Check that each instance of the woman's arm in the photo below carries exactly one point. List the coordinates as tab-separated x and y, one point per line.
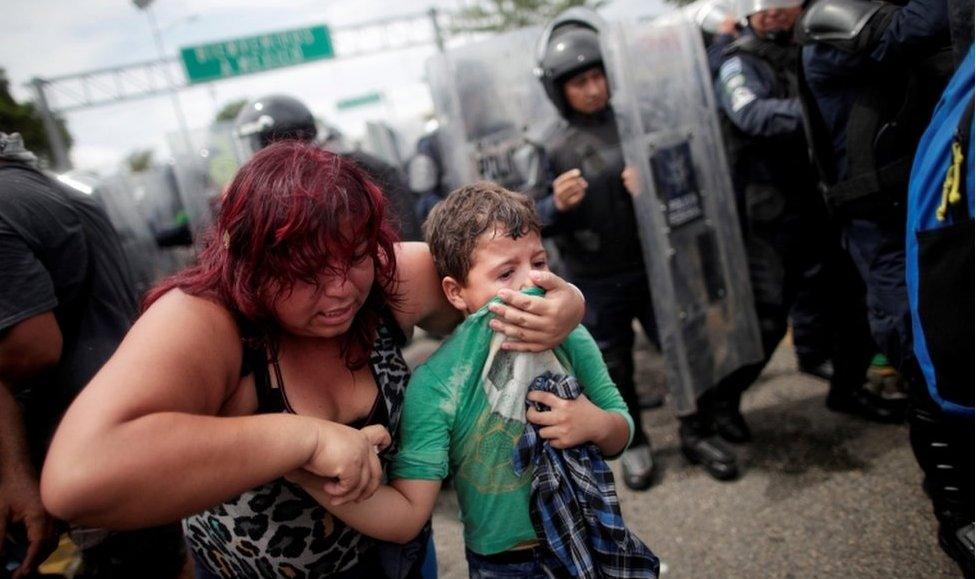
142	444
534	323
537	323
396	513
423	301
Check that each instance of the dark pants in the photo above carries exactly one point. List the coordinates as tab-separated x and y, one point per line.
810	318
792	254
877	247
612	304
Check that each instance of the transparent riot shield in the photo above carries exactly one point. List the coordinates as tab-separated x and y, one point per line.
158	198
485	97
662	97
383	141
222	155
192	170
117	196
197	192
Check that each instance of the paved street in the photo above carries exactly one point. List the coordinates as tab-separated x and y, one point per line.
822	495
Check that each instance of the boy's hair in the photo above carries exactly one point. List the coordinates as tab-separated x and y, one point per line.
454	225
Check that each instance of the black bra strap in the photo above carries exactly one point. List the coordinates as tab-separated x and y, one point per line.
270	399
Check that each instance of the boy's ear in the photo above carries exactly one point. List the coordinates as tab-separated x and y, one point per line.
452	289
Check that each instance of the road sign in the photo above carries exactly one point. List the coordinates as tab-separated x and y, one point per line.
256	53
371	98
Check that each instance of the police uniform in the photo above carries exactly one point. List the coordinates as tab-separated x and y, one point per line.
600	247
791	246
866	102
867	99
597	239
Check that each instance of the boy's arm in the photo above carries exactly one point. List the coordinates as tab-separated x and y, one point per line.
599	415
569	423
396	512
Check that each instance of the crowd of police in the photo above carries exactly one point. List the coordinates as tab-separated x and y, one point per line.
821	107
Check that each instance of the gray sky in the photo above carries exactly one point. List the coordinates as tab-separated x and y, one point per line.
45	38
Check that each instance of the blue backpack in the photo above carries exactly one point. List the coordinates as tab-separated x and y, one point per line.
939	247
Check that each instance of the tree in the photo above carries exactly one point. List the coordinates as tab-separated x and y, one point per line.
25	119
502	15
230	110
139	160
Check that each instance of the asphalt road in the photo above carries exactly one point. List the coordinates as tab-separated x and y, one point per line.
822	494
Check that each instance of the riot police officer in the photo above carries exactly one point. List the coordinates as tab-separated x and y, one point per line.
872	74
278	117
589	212
790	243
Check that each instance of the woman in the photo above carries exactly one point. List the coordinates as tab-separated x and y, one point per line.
272	354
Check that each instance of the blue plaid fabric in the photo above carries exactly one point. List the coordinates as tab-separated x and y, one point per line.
574	505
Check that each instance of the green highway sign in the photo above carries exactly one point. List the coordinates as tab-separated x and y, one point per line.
256	53
359	101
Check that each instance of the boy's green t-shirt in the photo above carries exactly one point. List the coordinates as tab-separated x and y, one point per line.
464	412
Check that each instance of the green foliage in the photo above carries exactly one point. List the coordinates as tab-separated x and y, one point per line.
25	119
230	110
140	160
503	15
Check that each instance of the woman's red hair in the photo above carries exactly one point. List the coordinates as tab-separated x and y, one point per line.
292	213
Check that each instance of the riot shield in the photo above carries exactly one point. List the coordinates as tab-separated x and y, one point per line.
485	96
222	153
117	195
383	141
158	199
195	175
662	98
197	192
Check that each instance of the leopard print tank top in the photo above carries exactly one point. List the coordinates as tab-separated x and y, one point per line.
278	530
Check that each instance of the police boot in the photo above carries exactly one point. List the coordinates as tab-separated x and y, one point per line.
865	404
636	461
823	369
728	421
701	446
638	467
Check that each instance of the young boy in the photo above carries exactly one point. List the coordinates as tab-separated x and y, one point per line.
465	407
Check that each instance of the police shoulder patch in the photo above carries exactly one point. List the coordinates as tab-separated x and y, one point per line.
741	96
734	82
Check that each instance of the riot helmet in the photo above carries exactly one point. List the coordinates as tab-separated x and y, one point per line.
746	8
569	44
773	26
711	16
273	118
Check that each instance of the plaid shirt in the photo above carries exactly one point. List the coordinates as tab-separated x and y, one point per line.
574	505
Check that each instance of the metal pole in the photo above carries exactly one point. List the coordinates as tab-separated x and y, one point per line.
438	34
61	160
177	107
